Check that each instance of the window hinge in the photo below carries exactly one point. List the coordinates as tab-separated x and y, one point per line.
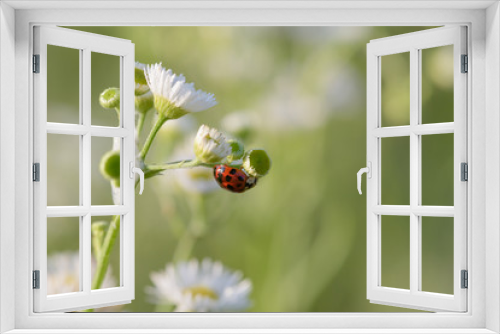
36	172
465	64
464	172
465	279
36	279
36	63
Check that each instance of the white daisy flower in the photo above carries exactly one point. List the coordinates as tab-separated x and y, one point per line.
63	271
173	96
205	286
63	277
210	145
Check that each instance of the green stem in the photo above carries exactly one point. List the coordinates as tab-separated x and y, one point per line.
184	247
103	260
97	238
195	230
174	165
159	122
140	124
183	164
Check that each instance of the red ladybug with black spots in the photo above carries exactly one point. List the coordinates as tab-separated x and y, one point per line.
233	179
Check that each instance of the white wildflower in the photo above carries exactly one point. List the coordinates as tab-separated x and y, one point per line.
205	286
63	272
210	145
173	96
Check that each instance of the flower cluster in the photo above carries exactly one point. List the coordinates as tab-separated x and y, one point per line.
193	286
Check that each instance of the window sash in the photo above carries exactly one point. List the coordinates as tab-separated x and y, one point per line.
414	297
86	43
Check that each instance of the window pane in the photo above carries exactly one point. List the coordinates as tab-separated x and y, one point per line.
395	172
63	175
105	74
437	254
437	84
63	85
395	95
63	259
100	225
106	171
396	251
437	169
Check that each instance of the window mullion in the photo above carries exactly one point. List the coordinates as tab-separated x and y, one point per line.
415	254
85	166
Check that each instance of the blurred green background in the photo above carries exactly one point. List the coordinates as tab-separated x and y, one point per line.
300	235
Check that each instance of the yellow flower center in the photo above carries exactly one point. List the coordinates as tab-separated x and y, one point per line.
201	291
71	281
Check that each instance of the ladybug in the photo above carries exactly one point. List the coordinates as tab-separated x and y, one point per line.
233	179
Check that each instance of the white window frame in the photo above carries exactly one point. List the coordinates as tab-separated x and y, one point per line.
86	44
413	44
16	216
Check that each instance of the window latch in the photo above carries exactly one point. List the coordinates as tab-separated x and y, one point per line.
368	171
134	170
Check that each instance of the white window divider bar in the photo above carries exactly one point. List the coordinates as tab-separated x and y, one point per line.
418	210
80	130
78	211
422	129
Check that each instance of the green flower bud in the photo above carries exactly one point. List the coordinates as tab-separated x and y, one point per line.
144	102
110	166
141	84
98	228
237	150
257	162
110	98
